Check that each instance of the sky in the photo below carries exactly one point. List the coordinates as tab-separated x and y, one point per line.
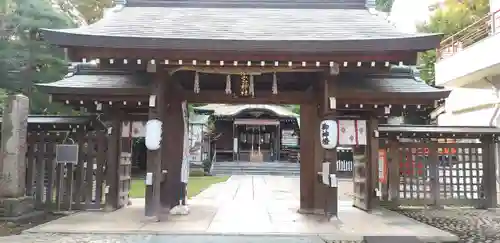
405	14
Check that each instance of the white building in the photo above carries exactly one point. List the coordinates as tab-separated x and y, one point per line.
469	63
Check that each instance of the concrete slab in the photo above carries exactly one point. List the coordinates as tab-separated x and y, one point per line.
251	205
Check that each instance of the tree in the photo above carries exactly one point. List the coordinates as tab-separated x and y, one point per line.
448	20
92	10
384	5
25	59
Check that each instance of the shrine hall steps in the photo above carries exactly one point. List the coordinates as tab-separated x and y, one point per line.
256	168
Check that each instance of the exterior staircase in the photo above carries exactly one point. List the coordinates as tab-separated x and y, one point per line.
256	168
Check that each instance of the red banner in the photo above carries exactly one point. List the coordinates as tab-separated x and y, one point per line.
382	166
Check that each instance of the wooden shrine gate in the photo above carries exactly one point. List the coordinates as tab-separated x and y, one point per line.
438	166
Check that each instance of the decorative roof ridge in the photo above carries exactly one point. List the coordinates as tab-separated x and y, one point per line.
60	116
407	72
93	69
395	72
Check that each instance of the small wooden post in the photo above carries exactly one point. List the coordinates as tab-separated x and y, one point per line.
112	186
394	158
489	172
434	172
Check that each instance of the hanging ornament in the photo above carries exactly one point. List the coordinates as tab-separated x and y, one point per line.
196	83
228	84
275	84
244	85
251	86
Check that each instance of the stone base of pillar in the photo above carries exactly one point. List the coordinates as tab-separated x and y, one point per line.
14	209
313	211
108	208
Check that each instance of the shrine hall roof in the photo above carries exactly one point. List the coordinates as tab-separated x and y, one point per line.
225	25
99	82
60	122
232	110
399	83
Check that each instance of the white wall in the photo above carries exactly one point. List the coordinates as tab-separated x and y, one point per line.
471	64
494	5
469	107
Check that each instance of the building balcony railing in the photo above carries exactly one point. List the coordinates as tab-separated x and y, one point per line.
486	26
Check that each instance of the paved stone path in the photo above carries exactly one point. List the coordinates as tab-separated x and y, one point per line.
248	205
143	238
148	238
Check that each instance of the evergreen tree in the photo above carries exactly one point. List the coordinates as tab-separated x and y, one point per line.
24	58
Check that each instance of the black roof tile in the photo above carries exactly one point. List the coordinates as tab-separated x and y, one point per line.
60	122
257	28
400	81
89	81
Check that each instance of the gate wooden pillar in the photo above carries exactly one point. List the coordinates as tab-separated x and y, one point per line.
313	194
327	197
154	158
373	164
308	118
172	143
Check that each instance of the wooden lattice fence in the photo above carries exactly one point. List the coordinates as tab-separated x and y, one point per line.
57	186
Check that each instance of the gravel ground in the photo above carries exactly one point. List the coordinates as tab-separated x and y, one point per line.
470	225
14	228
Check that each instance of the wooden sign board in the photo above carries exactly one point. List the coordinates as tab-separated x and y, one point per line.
67	153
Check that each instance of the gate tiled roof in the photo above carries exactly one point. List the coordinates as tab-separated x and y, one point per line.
298	26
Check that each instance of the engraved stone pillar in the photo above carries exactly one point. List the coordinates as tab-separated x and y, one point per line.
13	148
13	159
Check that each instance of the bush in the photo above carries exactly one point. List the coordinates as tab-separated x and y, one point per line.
196	173
206	165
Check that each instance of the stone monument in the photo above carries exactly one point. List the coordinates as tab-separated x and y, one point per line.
13	200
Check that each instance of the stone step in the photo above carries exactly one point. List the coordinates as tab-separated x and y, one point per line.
255	168
256	173
257	165
279	164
